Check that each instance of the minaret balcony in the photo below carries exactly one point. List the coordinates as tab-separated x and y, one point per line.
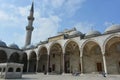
29	28
30	18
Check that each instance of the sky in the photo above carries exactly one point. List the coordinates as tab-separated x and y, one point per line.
53	16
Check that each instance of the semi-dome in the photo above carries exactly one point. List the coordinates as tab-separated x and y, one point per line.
77	33
15	46
93	33
2	44
115	27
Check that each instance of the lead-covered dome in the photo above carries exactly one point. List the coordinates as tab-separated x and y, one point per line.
75	33
14	46
93	33
2	44
113	28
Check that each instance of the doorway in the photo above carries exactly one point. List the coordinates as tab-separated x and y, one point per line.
99	67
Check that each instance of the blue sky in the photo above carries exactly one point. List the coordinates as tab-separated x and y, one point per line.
52	16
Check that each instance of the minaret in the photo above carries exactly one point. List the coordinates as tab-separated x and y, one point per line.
30	28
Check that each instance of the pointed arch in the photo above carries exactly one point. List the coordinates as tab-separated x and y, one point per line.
55	61
109	38
3	56
72	57
43	58
112	54
89	40
71	40
14	57
92	57
24	61
32	61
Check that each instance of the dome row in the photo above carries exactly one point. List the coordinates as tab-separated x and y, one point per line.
113	28
3	44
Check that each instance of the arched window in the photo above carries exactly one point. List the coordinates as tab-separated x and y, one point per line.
18	70
10	69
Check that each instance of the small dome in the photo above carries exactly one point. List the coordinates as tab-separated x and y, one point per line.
36	44
115	27
30	46
93	33
2	44
13	46
77	33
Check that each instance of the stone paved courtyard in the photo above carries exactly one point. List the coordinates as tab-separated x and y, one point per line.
68	77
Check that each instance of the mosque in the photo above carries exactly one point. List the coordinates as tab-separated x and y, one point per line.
68	52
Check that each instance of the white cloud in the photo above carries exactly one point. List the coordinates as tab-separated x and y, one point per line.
57	3
23	11
18	39
84	27
107	24
47	27
71	6
44	27
65	7
3	16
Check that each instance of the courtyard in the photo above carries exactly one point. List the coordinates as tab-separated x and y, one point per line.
40	76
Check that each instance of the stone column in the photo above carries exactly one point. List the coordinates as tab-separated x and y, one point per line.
48	63
21	69
104	62
81	60
81	63
63	63
37	65
2	70
28	66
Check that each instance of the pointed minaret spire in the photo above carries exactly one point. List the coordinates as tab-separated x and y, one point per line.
30	27
32	7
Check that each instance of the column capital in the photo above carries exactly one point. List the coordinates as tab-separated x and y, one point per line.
37	58
103	54
81	56
63	53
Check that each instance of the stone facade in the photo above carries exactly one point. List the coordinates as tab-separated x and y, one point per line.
68	52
